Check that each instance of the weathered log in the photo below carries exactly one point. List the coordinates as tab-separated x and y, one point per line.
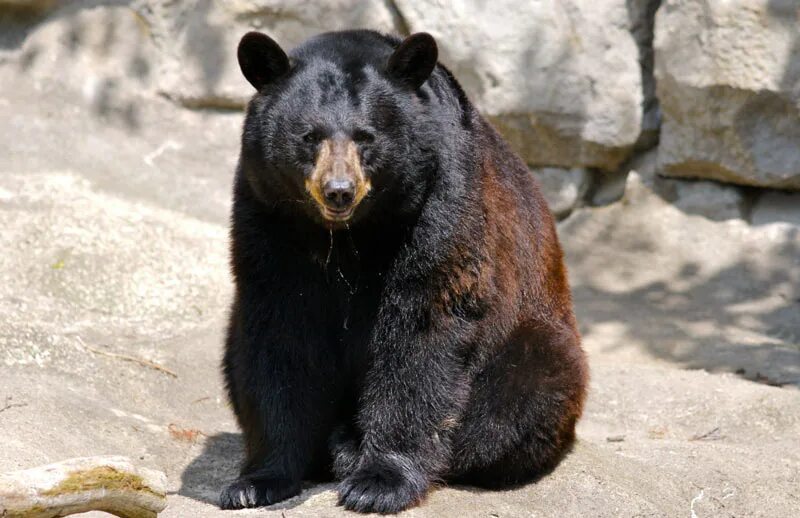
110	483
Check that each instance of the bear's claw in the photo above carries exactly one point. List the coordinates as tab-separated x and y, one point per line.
245	492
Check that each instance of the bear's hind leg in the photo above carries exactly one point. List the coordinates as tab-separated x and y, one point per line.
524	405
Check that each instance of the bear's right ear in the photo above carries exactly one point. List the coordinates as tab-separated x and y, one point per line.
261	59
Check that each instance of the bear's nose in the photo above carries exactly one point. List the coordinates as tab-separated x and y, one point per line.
339	192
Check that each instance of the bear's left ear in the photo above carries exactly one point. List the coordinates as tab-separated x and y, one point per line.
414	59
261	59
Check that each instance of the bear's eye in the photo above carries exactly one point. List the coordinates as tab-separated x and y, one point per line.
363	137
312	137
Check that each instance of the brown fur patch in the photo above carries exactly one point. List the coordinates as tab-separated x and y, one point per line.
363	185
322	164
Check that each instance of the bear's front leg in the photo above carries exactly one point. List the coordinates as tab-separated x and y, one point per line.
414	391
284	393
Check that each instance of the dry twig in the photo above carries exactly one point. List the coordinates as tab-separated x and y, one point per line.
711	435
125	357
9	404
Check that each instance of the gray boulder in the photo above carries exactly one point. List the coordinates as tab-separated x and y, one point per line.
564	189
728	78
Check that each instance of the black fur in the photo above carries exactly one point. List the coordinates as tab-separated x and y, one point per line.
432	337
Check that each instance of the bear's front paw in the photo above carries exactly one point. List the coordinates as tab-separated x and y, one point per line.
383	487
257	492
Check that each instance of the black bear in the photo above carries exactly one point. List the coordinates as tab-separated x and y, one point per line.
402	315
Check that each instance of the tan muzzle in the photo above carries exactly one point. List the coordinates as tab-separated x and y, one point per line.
337	184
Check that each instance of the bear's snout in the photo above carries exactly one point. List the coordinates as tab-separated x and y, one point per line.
337	184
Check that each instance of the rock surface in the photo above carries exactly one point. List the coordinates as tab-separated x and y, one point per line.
564	190
776	207
728	78
27	7
114	288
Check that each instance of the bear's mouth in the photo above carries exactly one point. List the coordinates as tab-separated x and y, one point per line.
337	215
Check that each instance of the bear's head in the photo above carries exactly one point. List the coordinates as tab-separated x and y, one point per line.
341	129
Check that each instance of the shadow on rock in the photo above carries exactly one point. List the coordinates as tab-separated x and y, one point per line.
700	294
217	464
